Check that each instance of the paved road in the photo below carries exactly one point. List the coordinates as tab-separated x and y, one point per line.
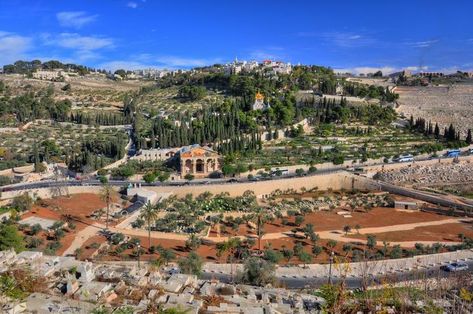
124	183
351	282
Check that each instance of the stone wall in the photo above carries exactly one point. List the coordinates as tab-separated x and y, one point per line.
336	181
7	196
11	172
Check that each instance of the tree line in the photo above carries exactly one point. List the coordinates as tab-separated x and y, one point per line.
28	67
40	105
449	134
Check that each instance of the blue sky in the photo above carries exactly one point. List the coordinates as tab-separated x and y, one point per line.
353	35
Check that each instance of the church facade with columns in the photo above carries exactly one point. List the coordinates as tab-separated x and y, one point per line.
198	161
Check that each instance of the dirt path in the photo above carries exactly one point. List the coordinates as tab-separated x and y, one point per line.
339	235
81	237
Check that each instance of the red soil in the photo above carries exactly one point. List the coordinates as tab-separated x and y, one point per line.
74	209
377	217
447	232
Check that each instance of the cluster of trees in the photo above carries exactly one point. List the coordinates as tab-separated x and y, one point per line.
98	118
209	125
370	91
41	105
30	106
153	170
246	84
192	92
450	134
28	67
95	153
333	111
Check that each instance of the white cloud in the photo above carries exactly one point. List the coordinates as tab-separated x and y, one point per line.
172	62
13	47
384	69
144	61
75	19
417	68
132	5
341	39
348	40
365	70
260	55
82	48
267	53
423	44
127	65
76	41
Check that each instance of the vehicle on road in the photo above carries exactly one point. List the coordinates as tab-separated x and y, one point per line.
404	158
454	267
453	153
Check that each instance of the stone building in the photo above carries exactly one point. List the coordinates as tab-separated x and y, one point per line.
198	161
155	154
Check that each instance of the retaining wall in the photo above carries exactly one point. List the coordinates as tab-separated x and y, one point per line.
336	181
47	192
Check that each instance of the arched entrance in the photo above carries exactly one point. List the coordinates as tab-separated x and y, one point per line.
199	166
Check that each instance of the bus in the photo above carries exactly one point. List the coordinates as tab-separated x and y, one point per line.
453	153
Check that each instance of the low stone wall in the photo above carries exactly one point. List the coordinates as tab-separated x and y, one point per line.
47	192
335	181
356	270
11	172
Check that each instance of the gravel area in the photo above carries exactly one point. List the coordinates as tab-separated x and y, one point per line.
429	175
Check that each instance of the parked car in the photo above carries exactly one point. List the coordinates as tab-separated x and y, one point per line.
453	267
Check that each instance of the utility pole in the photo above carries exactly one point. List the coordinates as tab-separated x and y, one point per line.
59	187
139	252
330	269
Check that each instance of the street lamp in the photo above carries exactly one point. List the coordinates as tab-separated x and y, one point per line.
139	252
330	268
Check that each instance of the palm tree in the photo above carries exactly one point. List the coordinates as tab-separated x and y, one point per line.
260	218
106	196
149	213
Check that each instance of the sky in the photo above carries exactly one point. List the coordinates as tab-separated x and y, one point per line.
356	36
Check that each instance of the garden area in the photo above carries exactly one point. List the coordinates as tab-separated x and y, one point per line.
56	142
338	143
287	228
51	225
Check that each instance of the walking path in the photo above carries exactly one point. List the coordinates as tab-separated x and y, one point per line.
339	235
81	237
